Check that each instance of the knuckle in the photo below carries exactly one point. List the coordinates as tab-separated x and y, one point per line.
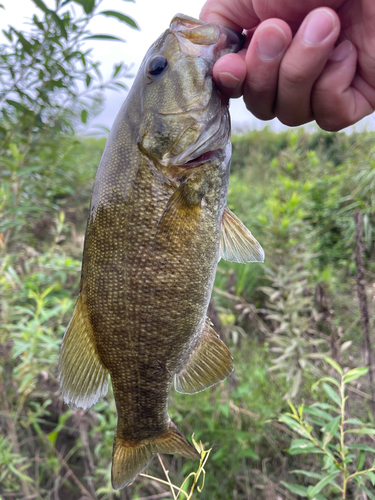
291	121
293	75
329	112
294	112
260	101
261	114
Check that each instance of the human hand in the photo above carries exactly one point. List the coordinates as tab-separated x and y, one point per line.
310	60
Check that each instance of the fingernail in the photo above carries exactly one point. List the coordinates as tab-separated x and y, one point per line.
228	80
319	25
341	51
271	42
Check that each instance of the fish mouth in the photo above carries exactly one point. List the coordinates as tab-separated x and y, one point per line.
209	157
212	139
209	40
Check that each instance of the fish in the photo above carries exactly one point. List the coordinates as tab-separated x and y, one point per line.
157	227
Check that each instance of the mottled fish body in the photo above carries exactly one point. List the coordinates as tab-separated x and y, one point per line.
158	225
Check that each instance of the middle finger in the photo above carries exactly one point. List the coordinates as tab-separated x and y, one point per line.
303	63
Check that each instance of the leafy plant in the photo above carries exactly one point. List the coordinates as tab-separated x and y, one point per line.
190	483
49	83
325	430
292	315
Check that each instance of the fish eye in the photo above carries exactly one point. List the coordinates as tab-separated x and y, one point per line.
157	65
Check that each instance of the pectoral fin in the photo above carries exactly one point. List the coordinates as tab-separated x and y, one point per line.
83	378
181	214
210	363
237	244
131	458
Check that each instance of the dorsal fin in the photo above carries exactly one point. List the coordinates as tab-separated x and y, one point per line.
82	376
209	363
237	244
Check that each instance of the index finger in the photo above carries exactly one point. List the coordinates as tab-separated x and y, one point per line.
235	14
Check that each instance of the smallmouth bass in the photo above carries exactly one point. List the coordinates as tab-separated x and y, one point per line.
157	227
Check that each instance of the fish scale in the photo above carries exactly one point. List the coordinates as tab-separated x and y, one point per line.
158	225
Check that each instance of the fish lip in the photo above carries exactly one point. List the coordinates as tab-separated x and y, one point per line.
233	43
213	40
183	170
201	159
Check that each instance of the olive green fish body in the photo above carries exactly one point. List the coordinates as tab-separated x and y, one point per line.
157	227
154	289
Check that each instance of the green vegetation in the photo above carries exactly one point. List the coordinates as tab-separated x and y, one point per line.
291	324
280	319
338	451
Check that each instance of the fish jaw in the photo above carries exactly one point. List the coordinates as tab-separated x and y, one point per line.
208	40
185	117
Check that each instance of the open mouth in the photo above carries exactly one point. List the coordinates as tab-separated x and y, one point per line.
179	171
203	158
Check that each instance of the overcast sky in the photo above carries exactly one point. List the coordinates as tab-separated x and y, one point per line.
153	17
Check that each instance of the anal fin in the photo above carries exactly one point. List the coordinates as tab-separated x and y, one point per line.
237	244
131	458
210	363
82	376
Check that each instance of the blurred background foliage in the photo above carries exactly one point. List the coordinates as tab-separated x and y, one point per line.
297	191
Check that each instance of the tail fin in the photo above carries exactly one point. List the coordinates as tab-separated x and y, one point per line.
129	458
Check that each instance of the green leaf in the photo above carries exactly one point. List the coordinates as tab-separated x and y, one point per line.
88	5
318	413
327	480
60	24
333	363
332	394
104	37
295	488
328	462
361	460
301	443
17	105
317	421
354	374
326	379
52	436
306	473
121	17
331	429
28	47
361	431
371	476
293	424
8	34
299	446
84	116
41	6
363	447
367	491
116	70
354	421
19	474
